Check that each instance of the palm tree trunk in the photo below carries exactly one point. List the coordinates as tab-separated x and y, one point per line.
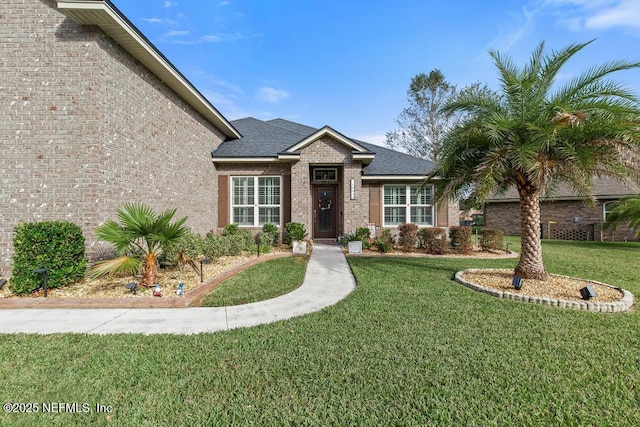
150	277
530	265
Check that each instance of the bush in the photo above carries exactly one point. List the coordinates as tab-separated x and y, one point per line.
191	245
214	245
294	231
230	229
460	238
231	244
408	237
491	239
385	242
364	235
55	245
270	235
434	240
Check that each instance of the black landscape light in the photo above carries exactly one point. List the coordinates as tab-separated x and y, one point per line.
517	282
588	292
203	261
45	278
132	287
2	283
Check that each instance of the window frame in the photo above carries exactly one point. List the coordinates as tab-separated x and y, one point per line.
408	205
256	205
605	211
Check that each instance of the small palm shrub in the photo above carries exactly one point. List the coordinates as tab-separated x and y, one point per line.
408	237
55	245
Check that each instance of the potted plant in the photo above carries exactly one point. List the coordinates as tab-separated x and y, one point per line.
296	234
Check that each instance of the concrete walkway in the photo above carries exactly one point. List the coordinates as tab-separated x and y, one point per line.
328	280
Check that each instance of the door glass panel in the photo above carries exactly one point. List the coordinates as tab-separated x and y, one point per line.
325	210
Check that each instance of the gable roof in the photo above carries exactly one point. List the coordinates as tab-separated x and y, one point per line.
604	188
109	19
279	139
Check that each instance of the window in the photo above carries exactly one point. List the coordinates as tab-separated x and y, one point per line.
325	175
606	209
255	200
408	203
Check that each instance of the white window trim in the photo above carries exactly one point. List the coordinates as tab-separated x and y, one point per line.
256	205
408	206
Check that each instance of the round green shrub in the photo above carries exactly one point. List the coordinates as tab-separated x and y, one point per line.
55	245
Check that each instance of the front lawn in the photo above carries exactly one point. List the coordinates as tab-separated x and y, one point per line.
408	347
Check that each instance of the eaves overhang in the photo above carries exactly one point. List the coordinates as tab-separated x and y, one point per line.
109	19
394	177
244	159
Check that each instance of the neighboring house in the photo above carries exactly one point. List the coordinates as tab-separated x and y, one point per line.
94	116
564	215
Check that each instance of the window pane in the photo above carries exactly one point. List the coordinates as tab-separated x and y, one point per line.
243	192
395	215
269	191
269	215
421	215
422	197
395	195
243	216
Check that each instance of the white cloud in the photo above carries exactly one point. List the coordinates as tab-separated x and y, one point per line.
169	4
175	33
224	3
271	95
581	15
153	20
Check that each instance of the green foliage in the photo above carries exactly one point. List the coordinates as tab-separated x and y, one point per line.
190	246
491	239
385	242
294	231
460	238
270	235
138	239
626	210
408	237
55	245
230	229
232	244
434	240
362	234
536	134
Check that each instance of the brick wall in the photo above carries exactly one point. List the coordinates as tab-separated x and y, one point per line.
86	128
558	220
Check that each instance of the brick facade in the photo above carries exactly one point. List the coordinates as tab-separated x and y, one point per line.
86	128
561	219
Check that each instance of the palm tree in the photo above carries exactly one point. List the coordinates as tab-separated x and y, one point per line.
138	240
534	134
626	210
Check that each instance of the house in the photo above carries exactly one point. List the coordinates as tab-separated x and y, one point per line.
95	117
563	214
281	171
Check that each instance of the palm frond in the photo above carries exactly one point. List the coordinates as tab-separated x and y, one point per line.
123	264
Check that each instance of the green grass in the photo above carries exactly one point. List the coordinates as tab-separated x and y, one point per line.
263	281
407	347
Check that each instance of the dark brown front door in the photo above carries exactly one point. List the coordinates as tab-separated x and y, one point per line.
325	209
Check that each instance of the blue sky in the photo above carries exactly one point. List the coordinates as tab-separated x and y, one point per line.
348	64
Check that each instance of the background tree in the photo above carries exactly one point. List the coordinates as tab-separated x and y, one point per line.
626	210
422	124
533	135
138	240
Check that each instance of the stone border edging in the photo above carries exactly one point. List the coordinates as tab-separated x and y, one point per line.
623	304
